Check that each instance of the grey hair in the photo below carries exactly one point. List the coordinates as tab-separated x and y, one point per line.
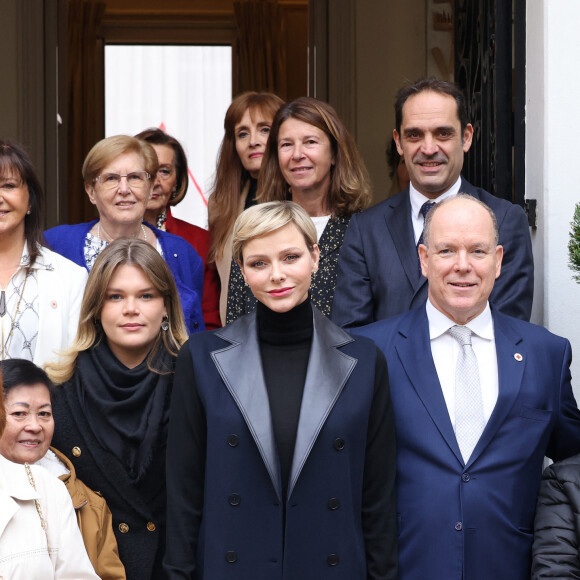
459	196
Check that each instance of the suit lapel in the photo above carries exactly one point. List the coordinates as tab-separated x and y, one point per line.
414	351
328	372
245	382
510	375
401	229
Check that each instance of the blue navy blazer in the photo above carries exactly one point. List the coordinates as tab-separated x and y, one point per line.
182	259
227	517
378	269
475	521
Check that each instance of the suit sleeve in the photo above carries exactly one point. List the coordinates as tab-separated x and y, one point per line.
565	438
186	446
353	296
379	509
513	291
555	548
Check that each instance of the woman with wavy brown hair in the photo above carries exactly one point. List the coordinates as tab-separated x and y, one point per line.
311	159
247	127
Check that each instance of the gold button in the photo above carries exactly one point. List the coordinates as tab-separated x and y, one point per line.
76	451
151	526
123	528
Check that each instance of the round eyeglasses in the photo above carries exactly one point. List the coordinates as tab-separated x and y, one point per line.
135	179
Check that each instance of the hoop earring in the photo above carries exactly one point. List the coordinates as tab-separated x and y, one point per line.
165	323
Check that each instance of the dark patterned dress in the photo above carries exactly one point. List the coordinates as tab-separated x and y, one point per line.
241	300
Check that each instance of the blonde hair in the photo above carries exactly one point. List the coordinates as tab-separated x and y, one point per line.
123	252
107	150
268	217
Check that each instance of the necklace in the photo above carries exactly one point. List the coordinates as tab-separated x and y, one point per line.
6	345
143	231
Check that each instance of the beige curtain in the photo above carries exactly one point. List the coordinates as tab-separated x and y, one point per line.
262	58
85	122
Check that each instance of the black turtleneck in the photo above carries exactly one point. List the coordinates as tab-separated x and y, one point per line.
251	197
285	339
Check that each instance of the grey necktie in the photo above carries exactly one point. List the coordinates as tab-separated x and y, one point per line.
469	420
425	209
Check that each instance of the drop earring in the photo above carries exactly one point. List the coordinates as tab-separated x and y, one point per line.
165	323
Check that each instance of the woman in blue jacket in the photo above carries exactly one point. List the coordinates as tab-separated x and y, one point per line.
281	448
118	175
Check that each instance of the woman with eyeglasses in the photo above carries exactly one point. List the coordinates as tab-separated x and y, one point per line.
118	175
169	189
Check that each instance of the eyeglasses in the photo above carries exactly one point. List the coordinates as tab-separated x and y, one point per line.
135	179
165	173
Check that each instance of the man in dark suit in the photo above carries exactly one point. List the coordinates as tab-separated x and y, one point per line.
378	269
474	416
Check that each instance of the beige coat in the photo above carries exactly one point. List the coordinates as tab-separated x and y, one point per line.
96	524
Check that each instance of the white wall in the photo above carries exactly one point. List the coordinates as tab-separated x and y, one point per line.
552	128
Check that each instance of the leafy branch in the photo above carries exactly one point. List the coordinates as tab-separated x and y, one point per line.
574	244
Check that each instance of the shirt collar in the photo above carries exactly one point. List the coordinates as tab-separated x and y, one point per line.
418	199
481	325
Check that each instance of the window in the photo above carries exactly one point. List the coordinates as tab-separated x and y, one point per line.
184	90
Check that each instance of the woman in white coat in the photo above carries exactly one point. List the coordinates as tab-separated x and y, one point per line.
40	291
39	535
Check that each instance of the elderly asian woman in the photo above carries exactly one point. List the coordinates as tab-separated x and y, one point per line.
118	173
29	395
39	536
281	449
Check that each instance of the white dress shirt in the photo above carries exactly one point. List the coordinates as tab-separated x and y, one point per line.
417	201
445	350
320	223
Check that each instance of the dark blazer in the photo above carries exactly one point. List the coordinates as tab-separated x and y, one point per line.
475	521
556	549
226	514
241	300
138	512
378	270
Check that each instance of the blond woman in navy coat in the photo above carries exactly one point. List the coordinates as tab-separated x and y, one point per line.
281	450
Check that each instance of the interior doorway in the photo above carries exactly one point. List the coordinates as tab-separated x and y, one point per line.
184	90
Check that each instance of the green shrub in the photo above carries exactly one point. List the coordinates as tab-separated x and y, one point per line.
574	244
